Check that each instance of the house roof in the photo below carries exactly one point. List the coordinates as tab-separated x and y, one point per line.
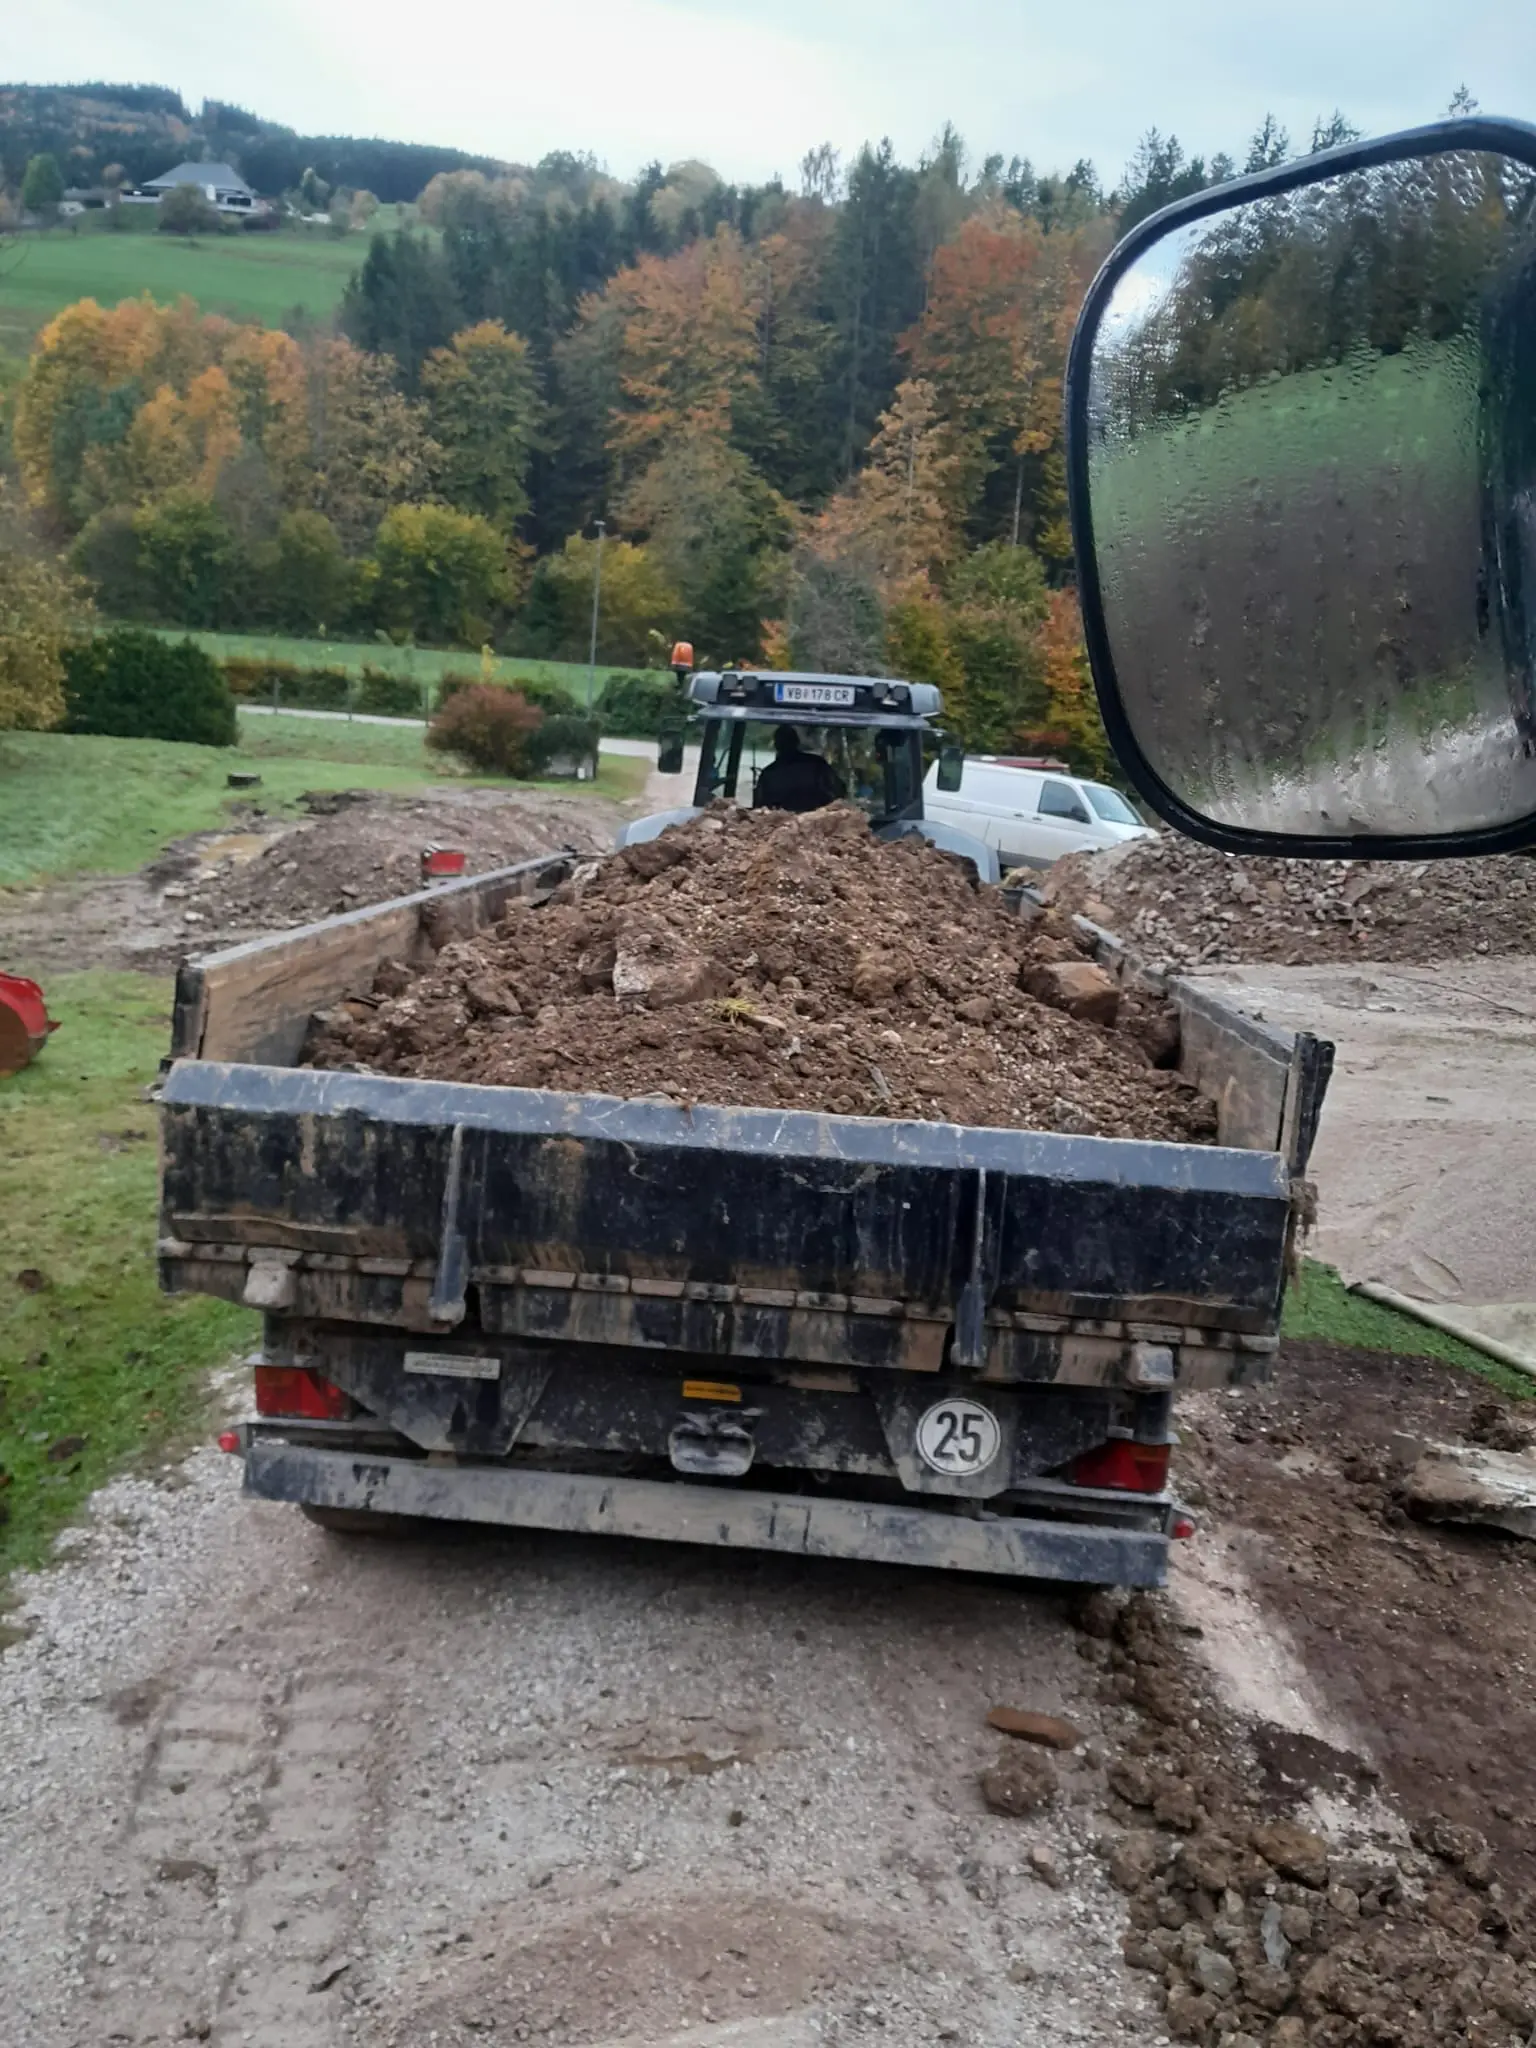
223	176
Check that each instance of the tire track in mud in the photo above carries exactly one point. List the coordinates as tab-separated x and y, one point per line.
242	1868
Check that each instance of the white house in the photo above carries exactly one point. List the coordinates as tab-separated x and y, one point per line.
222	186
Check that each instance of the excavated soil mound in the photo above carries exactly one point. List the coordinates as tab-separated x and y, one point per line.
760	958
359	847
1186	904
1256	1928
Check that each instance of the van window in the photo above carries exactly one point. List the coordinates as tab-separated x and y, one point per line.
1000	789
1060	800
1110	804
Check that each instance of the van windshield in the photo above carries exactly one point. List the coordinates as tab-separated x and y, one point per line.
1110	804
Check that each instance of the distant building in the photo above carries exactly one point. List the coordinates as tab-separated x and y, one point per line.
220	184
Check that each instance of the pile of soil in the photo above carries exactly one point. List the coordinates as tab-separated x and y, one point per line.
762	958
1187	904
1260	1927
360	847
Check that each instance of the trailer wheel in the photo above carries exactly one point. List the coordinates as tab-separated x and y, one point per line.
358	1521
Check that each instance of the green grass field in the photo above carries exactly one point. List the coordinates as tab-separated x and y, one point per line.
71	803
97	1367
1318	1306
422	664
248	276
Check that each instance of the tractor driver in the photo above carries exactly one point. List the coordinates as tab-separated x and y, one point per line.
796	780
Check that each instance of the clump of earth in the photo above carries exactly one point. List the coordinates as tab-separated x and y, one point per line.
768	959
1186	904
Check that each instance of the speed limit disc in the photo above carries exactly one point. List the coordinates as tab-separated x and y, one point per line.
958	1437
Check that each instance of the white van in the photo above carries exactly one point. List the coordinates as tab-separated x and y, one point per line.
1030	812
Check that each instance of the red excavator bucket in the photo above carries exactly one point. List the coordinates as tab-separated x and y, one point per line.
24	1022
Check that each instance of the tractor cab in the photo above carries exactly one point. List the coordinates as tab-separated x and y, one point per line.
858	739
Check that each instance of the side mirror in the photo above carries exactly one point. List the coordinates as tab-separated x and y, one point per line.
1302	459
669	757
951	768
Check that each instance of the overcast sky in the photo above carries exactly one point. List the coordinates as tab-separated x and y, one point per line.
749	85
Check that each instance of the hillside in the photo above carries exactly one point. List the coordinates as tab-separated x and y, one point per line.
147	128
292	279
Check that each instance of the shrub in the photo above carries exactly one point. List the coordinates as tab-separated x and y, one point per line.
280	682
134	685
551	698
564	735
640	706
386	694
488	727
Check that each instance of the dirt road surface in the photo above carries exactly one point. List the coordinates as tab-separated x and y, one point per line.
259	1784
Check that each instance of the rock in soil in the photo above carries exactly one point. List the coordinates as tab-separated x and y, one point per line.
767	959
1021	1782
1187	904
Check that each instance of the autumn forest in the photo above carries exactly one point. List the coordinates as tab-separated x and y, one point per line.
820	427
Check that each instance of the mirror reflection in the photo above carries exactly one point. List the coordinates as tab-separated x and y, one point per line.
1312	482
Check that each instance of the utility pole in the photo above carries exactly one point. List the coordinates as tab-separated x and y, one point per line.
597	594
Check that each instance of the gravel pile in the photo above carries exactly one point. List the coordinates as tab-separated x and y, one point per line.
1187	904
761	958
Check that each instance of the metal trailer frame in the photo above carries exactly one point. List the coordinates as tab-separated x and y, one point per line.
502	1279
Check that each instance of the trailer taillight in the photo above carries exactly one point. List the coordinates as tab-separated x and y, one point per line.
295	1390
1127	1466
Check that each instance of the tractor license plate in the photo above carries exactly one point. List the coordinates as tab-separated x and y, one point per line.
833	695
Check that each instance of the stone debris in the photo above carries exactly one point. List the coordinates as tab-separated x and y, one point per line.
1495	1489
1186	905
781	961
1020	1783
1259	1930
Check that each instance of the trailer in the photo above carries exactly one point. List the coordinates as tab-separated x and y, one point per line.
830	1335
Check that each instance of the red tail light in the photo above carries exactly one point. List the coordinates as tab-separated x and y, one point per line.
295	1390
1128	1466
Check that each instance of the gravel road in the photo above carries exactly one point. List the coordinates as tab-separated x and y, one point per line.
260	1784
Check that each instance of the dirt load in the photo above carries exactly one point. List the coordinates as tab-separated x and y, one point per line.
767	959
1187	904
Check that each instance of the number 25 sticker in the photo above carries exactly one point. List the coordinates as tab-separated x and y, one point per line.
958	1437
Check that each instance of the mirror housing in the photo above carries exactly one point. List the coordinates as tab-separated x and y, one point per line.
951	767
1301	440
669	757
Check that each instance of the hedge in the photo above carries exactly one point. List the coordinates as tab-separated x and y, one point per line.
133	685
645	705
279	683
563	735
